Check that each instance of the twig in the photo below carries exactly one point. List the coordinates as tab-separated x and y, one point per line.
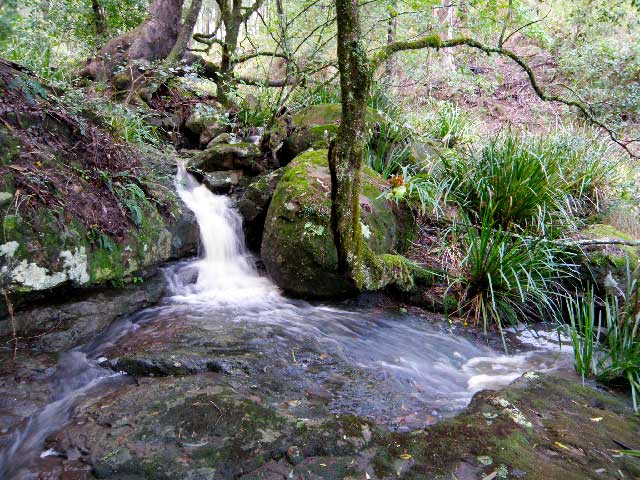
13	323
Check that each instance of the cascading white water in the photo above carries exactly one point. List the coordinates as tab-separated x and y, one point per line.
225	272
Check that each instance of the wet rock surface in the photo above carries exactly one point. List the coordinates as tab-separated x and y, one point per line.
208	426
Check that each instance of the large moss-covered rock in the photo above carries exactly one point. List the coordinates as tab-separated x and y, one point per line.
297	246
315	127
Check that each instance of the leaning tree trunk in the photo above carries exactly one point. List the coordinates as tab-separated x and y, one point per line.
152	40
232	19
347	152
179	49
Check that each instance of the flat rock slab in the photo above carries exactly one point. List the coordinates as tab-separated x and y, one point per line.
202	426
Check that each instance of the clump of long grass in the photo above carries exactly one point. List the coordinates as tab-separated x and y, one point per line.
517	182
510	278
451	126
388	148
606	338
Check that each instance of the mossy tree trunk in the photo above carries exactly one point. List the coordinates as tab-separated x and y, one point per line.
360	266
152	40
347	153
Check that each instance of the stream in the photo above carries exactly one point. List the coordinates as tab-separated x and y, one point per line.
220	315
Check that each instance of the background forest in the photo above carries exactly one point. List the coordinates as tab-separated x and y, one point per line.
477	158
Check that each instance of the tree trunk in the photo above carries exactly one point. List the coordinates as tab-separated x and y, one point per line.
347	153
178	50
98	18
152	40
392	26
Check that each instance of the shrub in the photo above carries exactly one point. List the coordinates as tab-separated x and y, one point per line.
518	183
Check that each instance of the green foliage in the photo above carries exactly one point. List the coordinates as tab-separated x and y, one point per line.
451	126
509	278
53	37
388	148
514	181
129	123
606	338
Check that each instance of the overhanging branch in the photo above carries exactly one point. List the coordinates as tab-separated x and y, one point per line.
434	41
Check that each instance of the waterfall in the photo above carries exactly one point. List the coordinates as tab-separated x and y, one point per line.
225	272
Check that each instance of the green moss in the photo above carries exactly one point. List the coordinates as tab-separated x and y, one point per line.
599	231
298	246
9	146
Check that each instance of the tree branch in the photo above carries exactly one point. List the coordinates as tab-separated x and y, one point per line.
434	41
251	56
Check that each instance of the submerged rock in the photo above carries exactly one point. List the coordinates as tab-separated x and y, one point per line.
297	246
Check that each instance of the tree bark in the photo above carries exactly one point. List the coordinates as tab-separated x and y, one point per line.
347	153
99	20
179	49
152	40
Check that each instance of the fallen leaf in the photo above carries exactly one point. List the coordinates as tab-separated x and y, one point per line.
405	456
560	445
596	419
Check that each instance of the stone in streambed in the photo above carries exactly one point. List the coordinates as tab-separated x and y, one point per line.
227	156
254	204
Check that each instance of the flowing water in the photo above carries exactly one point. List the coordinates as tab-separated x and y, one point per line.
383	360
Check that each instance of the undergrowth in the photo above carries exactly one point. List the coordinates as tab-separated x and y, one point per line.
605	333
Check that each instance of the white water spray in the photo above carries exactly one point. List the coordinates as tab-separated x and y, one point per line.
225	273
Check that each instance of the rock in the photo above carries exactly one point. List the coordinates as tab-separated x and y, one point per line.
606	264
253	206
171	365
167	121
315	127
203	115
222	138
237	156
222	182
214	425
65	325
211	132
5	198
297	246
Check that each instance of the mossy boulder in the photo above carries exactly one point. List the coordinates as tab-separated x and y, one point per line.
297	246
202	116
315	127
254	204
605	261
228	156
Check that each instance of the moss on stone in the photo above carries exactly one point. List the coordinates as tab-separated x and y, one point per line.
298	247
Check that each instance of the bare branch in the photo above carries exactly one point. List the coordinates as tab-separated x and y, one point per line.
251	56
434	41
